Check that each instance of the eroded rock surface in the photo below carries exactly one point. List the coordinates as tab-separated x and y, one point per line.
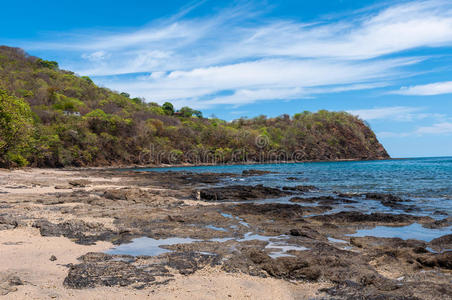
240	193
302	240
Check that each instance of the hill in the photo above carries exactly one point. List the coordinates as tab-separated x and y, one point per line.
53	118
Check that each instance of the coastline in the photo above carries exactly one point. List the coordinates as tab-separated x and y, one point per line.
77	215
183	165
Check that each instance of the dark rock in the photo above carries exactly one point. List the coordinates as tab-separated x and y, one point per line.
14	280
239	192
8	284
271	210
440	213
255	172
80	183
99	269
323	200
384	197
189	262
306	232
295	232
174	179
358	217
304	200
371	242
444	242
390	200
113	273
82	232
439	223
53	258
300	188
117	194
7	223
352	290
258	257
63	187
348	195
420	250
442	260
283	267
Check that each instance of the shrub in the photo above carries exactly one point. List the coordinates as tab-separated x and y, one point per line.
168	108
15	129
47	64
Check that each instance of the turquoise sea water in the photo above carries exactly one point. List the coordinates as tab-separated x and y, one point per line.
427	182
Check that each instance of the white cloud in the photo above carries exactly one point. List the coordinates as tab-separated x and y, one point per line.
389	134
400	113
192	61
96	56
396	113
257	81
437	88
397	28
439	128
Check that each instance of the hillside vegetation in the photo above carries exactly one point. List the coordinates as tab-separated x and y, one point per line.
54	118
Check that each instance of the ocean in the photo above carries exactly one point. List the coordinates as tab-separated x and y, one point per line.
425	182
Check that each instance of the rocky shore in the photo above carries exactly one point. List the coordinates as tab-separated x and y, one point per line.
168	235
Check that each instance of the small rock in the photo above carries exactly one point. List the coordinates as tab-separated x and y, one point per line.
53	258
80	183
300	188
14	280
295	232
255	172
63	187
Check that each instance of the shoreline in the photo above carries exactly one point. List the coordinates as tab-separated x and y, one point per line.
243	249
182	165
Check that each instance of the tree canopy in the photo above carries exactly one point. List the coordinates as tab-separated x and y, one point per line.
53	118
15	129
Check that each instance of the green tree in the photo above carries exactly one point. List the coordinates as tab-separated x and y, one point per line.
137	100
197	113
15	129
187	112
168	108
89	80
47	64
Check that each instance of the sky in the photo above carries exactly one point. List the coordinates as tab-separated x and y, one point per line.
388	62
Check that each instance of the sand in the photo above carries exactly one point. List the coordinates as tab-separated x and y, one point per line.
26	255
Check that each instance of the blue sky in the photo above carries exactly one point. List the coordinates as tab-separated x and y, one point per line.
390	62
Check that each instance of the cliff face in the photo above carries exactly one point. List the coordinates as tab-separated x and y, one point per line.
76	123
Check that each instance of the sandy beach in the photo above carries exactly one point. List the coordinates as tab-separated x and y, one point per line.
28	272
56	227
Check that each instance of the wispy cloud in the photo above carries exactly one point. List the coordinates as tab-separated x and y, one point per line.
400	113
395	113
439	128
249	82
437	88
390	134
193	61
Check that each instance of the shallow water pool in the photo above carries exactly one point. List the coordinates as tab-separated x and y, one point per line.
414	231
